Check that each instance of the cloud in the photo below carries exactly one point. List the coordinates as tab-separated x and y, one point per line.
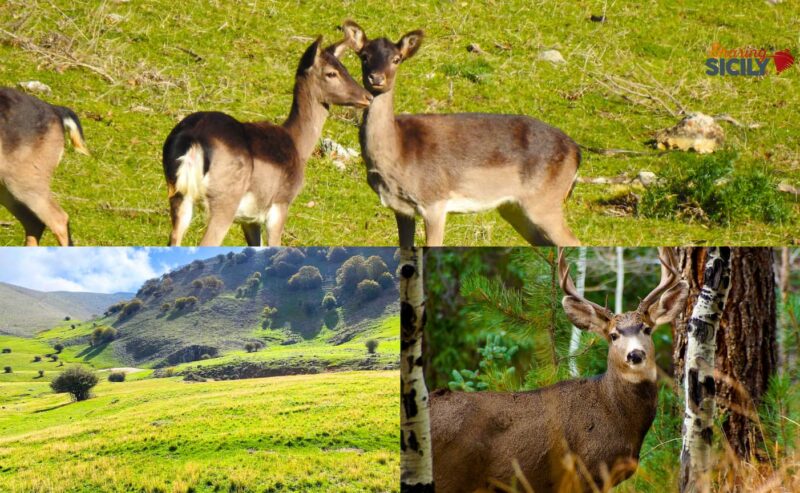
98	270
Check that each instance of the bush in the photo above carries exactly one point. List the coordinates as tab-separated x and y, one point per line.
116	376
58	347
196	265
282	269
76	381
165	307
53	357
185	303
292	256
375	267
249	287
252	347
115	308
713	189
308	277
130	308
197	284
386	280
103	335
6	350
336	254
67	318
37	359
329	301
353	271
372	345
368	290
7	369
41	373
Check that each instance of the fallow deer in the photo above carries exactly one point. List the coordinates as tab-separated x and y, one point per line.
432	164
250	172
575	433
31	146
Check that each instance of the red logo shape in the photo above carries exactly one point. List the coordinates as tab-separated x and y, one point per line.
783	60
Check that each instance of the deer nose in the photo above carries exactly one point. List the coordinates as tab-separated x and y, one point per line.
636	356
375	79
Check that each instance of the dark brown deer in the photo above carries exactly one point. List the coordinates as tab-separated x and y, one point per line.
31	146
575	433
429	165
250	172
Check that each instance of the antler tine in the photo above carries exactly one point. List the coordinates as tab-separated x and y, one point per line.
569	287
669	277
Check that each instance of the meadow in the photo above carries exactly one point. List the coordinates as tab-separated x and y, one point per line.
133	70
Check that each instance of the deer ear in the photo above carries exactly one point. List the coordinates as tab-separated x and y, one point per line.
354	36
409	43
585	317
310	56
669	306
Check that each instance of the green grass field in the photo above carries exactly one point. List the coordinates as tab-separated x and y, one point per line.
313	433
133	70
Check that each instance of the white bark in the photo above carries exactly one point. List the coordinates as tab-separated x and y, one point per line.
699	386
416	462
575	338
620	281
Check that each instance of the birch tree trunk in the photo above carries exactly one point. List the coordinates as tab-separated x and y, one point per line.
416	462
700	389
575	337
620	281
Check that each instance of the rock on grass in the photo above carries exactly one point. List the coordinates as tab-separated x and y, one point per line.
696	132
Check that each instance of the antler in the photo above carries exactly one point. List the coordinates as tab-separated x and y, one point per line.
669	277
569	288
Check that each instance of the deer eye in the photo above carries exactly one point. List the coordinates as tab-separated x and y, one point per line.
396	60
331	75
648	330
614	336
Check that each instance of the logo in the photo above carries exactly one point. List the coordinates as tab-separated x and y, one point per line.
745	61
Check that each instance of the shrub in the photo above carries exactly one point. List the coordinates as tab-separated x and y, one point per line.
6	350
41	373
386	280
196	265
67	318
372	345
58	347
169	371
115	308
72	326
7	369
240	258
76	381
713	189
103	335
249	287
375	267
336	254
329	301
292	256
252	347
165	307
368	290
308	277
130	308
185	303
353	271
197	284
230	255
282	269
116	376
37	359
53	357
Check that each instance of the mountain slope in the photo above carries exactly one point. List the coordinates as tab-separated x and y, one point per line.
26	311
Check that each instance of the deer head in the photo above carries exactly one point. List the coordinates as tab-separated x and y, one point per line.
329	80
629	334
380	57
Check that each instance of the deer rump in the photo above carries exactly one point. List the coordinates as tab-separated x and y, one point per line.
477	436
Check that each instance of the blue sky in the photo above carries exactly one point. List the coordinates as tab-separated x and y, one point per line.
98	270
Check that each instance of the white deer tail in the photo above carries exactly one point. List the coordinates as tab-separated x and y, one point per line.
189	176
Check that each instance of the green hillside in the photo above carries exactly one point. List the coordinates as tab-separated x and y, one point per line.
312	433
132	70
26	311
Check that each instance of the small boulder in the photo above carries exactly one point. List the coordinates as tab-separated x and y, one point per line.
647	178
696	132
552	56
35	86
337	152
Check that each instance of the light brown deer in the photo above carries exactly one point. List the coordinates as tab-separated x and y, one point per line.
250	172
575	433
429	165
31	146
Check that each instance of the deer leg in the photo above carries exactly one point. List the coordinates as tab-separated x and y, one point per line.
530	231
221	213
276	219
540	223
40	203
252	234
33	226
435	217
405	229
181	215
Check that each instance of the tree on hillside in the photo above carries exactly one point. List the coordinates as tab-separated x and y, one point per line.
58	347
375	267
76	381
368	290
103	335
131	308
292	256
308	277
336	254
386	280
353	271
371	345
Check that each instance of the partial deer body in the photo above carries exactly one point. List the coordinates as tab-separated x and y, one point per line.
571	435
429	165
31	146
250	173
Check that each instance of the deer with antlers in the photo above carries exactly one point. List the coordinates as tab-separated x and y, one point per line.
572	435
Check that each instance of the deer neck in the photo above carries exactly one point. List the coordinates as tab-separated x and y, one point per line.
636	400
379	131
305	120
